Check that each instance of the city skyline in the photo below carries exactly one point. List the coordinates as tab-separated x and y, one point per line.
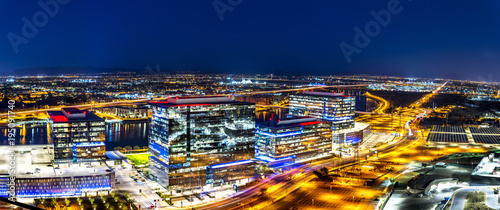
250	105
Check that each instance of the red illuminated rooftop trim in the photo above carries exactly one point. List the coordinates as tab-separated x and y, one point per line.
59	118
166	103
310	123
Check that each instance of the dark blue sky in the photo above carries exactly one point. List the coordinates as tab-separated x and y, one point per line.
428	38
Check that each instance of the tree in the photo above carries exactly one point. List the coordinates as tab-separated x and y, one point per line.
103	198
128	148
137	147
324	170
263	191
126	196
92	199
145	147
67	201
54	202
319	175
322	174
79	200
118	148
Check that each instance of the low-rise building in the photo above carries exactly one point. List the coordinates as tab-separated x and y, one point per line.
36	176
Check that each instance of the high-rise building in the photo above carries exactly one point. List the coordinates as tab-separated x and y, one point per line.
301	139
334	107
198	142
77	135
337	110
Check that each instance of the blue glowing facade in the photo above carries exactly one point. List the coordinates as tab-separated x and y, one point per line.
62	186
193	139
59	186
300	138
336	108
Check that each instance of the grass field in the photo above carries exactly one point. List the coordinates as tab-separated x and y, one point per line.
138	159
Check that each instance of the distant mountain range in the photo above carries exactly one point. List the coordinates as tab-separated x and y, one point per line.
58	70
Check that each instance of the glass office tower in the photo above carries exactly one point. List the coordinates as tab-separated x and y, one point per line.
201	141
334	107
77	135
304	138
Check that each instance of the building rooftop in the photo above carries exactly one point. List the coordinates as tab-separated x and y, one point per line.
291	122
35	161
72	115
488	168
196	101
324	94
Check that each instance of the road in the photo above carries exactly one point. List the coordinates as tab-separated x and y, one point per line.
278	187
127	184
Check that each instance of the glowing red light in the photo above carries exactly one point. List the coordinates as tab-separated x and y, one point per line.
59	118
310	123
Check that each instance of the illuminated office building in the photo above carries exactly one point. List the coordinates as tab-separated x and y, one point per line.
77	135
333	107
199	142
299	139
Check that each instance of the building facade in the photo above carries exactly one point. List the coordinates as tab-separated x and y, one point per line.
304	139
77	135
201	141
136	111
338	111
37	177
333	107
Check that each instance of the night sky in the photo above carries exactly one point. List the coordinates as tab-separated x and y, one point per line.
425	38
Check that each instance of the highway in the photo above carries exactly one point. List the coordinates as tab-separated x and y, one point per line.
278	187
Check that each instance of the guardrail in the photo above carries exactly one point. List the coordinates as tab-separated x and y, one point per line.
388	196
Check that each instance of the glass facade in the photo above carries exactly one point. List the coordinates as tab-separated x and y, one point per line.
79	139
336	108
188	139
63	186
309	139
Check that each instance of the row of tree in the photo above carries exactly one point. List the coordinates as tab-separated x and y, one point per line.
130	148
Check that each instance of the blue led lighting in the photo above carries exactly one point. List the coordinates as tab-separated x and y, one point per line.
223	165
292	133
271	159
162	152
68	192
88	144
337	118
